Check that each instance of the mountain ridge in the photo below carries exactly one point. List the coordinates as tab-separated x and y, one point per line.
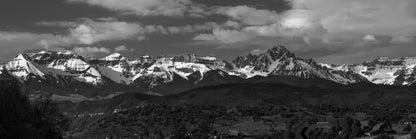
186	71
383	70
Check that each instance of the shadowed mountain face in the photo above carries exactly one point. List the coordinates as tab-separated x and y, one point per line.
66	73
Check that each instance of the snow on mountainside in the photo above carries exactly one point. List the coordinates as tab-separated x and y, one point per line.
382	70
149	72
52	66
279	61
153	71
23	68
68	64
116	67
163	69
114	57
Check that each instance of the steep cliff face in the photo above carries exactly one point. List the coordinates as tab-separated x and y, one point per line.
66	64
279	61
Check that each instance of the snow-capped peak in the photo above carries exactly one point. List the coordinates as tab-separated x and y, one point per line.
66	52
23	57
22	67
208	58
54	65
154	71
384	70
114	57
325	65
280	61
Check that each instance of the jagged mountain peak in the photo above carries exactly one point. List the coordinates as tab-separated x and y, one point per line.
50	52
61	60
22	67
22	57
265	61
151	71
55	66
274	53
280	61
278	49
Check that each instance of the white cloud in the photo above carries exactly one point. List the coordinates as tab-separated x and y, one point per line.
122	48
225	36
150	7
231	36
317	23
12	43
232	24
378	17
91	32
90	51
87	32
267	30
263	23
41	40
340	27
249	15
370	38
84	34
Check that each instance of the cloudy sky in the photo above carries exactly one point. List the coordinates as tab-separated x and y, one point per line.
330	31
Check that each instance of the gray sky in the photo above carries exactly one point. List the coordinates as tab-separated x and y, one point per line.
330	31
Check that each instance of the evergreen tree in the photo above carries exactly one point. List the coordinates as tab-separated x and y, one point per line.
19	119
408	128
180	131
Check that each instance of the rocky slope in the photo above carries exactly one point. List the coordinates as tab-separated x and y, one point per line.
279	61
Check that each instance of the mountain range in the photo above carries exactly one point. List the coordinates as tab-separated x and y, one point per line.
68	74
